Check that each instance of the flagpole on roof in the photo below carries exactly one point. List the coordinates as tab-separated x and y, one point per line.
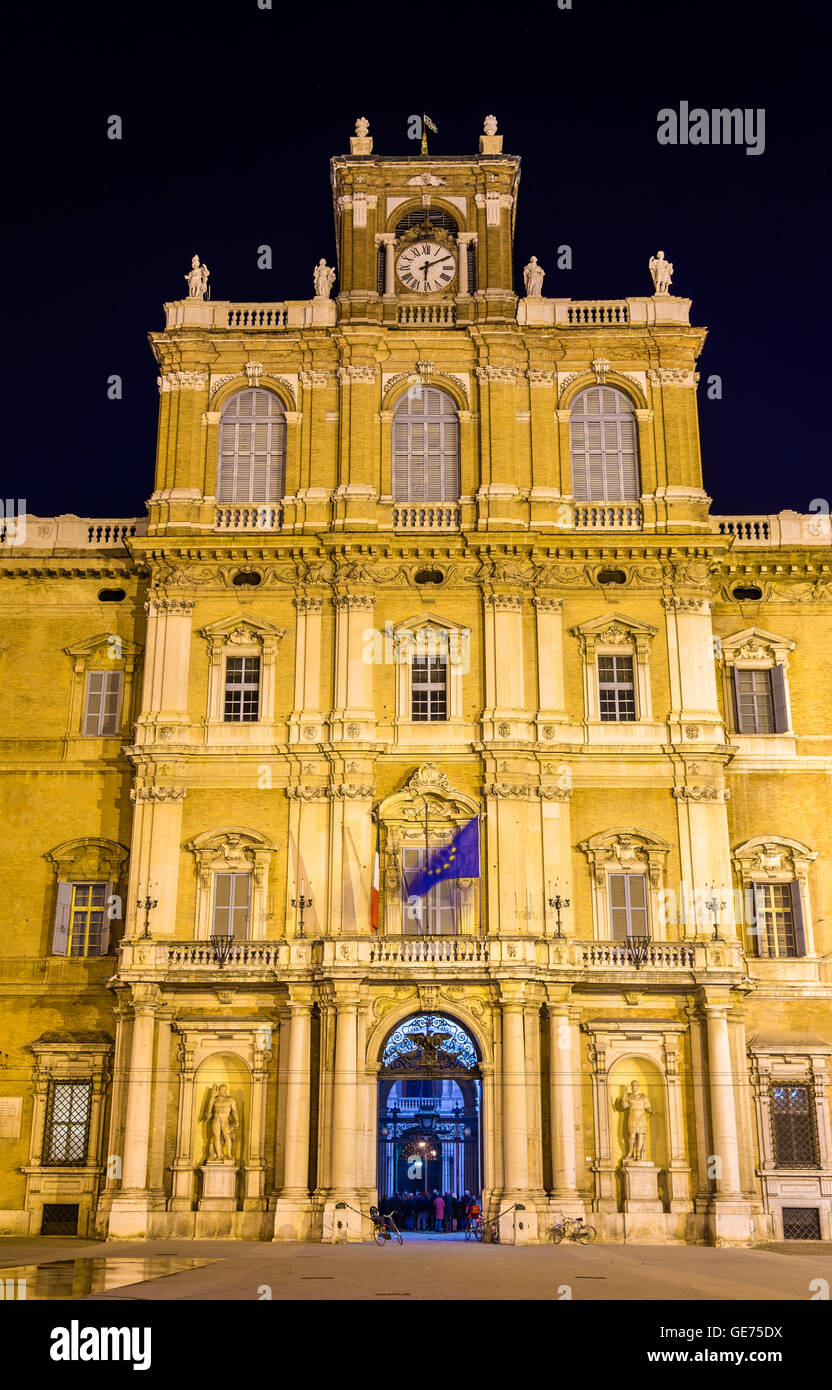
426	923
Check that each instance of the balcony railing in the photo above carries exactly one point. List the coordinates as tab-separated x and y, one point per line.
427	950
778	528
68	532
258	518
269	316
426	518
598	311
620	516
256	955
437	315
638	953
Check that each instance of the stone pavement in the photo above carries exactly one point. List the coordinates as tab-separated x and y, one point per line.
447	1269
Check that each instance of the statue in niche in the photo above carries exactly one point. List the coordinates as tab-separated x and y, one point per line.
533	279
324	277
638	1107
197	278
661	272
224	1121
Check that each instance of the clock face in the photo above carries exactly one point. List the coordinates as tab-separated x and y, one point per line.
425	267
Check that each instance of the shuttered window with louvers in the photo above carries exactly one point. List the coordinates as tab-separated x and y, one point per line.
604	448
252	457
426	447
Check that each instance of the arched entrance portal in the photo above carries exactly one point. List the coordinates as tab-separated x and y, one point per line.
429	1108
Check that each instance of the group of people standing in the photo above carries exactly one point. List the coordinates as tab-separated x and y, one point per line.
430	1211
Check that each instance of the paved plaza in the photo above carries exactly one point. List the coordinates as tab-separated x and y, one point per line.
425	1267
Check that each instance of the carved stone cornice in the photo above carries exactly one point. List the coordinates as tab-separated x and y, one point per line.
153	606
182	381
554	793
509	790
504	603
345	603
672	376
308	604
544	604
493	373
352	791
541	376
687	605
157	794
315	378
699	793
365	376
302	793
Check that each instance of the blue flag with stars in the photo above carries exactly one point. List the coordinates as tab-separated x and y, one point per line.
459	859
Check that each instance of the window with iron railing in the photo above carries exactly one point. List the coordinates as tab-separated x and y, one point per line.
67	1122
794	1133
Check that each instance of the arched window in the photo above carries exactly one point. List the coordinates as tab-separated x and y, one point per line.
252	448
426	447
604	449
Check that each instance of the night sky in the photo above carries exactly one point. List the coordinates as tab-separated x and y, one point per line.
231	113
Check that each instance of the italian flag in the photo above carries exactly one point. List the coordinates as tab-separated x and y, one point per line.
375	884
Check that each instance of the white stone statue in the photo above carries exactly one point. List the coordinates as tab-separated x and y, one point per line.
533	279
662	273
324	277
224	1122
197	278
362	127
489	125
638	1108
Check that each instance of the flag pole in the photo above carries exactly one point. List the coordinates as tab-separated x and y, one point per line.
427	856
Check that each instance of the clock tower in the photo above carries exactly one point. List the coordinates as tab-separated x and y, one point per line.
423	240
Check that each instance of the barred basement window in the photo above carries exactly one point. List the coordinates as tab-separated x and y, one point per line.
59	1219
101	704
616	689
429	686
67	1124
793	1126
801	1223
604	446
252	453
242	689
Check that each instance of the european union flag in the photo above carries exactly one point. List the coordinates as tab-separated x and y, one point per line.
459	859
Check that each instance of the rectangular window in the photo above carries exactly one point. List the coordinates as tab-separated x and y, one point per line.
628	905
755	703
232	894
616	689
434	914
101	703
88	921
778	929
66	1131
429	687
793	1128
242	689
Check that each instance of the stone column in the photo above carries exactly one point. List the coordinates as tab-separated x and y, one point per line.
255	1157
388	241
515	1116
182	1196
730	1220
563	1051
342	1224
464	240
296	1163
131	1208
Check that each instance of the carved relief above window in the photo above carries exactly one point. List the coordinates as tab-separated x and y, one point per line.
628	869
232	883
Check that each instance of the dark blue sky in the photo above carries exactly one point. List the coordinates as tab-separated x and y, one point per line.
231	114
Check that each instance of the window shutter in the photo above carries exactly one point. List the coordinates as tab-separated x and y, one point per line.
95	694
222	904
239	922
778	699
105	925
737	701
111	700
60	933
637	885
618	906
797	914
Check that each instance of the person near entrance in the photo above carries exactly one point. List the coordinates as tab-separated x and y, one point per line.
422	1211
439	1212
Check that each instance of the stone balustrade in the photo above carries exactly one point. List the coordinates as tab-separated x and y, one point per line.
779	528
253	518
605	516
435	315
69	532
640	311
426	518
255	318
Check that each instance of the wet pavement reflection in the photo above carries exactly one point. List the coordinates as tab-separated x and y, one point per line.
79	1277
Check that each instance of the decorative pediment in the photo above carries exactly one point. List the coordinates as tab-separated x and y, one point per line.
234	849
755	647
772	859
242	632
88	859
619	631
109	646
428	785
628	850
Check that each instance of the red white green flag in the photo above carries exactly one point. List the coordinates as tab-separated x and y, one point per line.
375	884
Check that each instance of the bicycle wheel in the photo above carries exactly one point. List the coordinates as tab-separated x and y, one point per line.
379	1236
399	1237
557	1234
468	1233
586	1235
480	1231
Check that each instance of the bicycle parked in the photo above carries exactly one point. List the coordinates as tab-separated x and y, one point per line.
384	1228
474	1229
572	1228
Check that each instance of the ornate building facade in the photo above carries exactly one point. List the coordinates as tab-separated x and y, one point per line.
418	554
